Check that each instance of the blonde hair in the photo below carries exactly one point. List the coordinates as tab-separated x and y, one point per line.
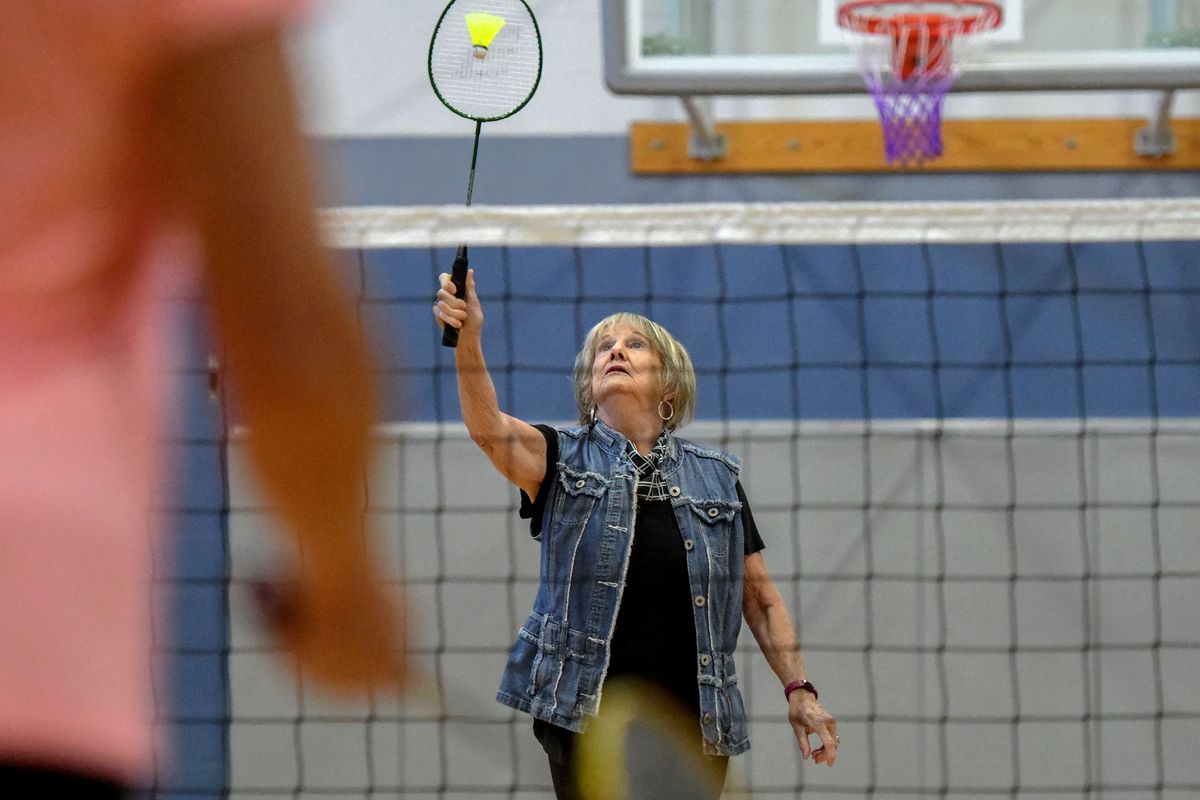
677	379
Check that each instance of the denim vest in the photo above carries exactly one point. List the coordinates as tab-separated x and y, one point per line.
556	669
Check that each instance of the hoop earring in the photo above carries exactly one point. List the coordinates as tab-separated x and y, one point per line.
593	415
670	415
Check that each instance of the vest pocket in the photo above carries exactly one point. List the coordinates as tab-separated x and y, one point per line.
528	649
564	671
732	711
577	497
717	516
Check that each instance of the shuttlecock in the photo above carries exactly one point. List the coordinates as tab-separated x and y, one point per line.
483	29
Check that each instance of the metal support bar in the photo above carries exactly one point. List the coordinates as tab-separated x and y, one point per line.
1156	139
704	143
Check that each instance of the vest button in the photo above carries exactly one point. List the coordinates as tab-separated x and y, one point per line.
707	719
705	660
674	491
688	544
579	484
712	512
700	601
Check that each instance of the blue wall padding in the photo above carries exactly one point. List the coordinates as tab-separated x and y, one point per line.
819	331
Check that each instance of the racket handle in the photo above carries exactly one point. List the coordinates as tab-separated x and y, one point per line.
458	276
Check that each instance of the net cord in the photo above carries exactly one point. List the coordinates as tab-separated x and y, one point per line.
372	227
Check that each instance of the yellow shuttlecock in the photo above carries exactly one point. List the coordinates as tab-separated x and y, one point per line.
483	29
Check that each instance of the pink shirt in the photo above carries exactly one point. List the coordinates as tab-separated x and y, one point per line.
82	396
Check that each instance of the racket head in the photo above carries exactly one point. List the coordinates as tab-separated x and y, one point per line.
644	745
492	81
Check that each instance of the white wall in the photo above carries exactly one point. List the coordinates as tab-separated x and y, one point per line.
363	66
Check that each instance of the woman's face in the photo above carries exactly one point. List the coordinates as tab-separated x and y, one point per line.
626	363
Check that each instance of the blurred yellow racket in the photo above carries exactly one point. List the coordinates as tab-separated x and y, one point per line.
644	746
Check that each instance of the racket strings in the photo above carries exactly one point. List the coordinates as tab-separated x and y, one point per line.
497	85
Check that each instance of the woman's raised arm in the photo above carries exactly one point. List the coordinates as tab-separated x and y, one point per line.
516	448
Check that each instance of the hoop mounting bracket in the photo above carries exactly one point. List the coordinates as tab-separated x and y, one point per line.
1157	140
704	143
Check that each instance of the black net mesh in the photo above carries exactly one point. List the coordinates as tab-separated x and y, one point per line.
970	437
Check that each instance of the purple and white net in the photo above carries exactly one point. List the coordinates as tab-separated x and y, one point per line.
911	53
911	114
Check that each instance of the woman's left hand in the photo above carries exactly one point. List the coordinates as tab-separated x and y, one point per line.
807	717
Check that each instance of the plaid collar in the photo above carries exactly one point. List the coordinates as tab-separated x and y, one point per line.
651	486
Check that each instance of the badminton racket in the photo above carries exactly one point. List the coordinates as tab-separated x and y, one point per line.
643	746
485	62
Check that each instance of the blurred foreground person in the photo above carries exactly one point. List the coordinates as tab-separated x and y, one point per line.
137	137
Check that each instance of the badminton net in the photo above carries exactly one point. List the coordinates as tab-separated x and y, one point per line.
969	431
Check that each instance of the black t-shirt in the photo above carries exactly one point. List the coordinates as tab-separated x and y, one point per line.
655	637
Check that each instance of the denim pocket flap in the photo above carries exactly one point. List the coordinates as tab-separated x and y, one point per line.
714	512
581	483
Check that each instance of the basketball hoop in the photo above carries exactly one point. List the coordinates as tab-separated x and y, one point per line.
910	54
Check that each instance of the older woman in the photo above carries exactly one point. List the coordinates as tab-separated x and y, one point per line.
650	555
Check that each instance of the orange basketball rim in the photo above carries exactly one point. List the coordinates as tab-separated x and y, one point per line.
921	32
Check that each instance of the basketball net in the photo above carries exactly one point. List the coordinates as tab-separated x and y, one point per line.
910	54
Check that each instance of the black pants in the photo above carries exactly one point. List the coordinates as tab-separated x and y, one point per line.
560	747
38	783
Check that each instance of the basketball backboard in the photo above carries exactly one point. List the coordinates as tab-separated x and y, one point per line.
728	47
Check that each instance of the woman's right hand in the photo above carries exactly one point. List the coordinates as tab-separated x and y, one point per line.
465	314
